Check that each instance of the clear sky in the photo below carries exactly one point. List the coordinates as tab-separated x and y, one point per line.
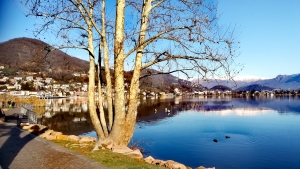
269	32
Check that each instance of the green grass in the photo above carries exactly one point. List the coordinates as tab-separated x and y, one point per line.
108	158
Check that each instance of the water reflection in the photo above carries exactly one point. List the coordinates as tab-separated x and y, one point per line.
71	115
224	106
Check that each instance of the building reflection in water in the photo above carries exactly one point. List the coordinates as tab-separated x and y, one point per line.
71	115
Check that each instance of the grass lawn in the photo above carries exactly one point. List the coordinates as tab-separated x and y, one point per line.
107	158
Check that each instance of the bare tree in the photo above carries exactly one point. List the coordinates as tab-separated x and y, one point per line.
168	35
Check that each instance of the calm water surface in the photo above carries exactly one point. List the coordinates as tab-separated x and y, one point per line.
264	132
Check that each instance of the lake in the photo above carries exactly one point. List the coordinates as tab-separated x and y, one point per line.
264	131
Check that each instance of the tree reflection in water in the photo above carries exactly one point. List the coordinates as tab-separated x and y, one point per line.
71	116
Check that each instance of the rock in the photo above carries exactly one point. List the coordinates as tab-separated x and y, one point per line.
34	128
109	146
174	165
50	134
85	139
55	133
62	137
149	159
159	162
216	140
46	133
121	149
27	127
50	137
73	138
24	124
201	167
134	154
43	128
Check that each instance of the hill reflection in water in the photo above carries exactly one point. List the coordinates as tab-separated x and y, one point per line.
71	115
68	115
264	132
154	110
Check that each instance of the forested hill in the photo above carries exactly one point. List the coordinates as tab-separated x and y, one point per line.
33	55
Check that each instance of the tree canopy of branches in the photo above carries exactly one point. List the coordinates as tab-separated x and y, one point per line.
171	36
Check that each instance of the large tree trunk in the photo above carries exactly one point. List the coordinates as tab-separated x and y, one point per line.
107	69
134	86
91	86
100	98
118	132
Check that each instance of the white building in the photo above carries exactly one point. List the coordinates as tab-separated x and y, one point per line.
29	78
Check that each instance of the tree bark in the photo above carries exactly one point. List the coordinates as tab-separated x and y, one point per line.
134	86
118	132
91	87
107	69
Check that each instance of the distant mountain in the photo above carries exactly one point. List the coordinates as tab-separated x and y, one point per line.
26	54
256	87
221	88
166	82
280	82
231	84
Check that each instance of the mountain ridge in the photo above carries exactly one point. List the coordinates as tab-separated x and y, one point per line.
33	55
284	82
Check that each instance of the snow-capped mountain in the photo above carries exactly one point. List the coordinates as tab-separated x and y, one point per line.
285	82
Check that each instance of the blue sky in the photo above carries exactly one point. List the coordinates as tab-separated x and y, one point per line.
269	32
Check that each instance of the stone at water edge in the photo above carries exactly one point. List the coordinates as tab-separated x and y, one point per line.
149	159
27	127
110	146
134	154
85	139
159	162
73	138
201	167
62	137
46	133
24	124
121	149
50	137
174	165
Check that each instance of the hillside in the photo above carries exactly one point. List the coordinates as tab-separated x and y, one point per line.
32	55
231	84
166	82
221	88
256	87
285	82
